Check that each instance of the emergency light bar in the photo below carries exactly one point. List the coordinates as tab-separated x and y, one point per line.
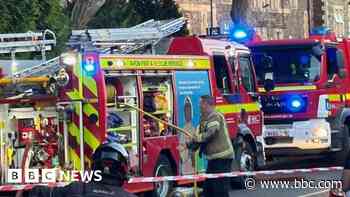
323	33
241	33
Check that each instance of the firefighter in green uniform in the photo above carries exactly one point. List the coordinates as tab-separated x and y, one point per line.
215	143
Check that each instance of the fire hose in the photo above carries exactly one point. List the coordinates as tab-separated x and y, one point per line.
158	119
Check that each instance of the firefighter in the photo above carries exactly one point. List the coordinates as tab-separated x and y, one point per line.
112	160
214	141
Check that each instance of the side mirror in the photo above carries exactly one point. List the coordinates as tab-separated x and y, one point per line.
255	96
342	73
224	80
225	84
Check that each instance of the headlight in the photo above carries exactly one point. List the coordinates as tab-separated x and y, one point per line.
69	59
320	132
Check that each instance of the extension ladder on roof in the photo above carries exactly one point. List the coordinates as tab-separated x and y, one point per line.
128	40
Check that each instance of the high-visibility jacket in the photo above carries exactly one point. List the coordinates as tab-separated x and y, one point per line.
213	133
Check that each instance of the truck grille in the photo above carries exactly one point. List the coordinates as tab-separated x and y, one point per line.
278	104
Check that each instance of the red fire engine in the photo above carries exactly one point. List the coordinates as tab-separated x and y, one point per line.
170	86
90	87
304	94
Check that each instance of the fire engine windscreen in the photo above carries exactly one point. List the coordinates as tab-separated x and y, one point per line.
290	64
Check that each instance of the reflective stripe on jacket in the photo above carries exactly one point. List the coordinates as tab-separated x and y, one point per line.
214	133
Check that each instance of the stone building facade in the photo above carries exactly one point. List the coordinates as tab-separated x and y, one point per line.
271	18
333	14
277	19
198	13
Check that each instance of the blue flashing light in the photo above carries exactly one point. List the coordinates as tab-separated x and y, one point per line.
295	104
89	67
90	64
241	33
321	31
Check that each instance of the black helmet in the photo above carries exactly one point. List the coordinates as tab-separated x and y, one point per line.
112	159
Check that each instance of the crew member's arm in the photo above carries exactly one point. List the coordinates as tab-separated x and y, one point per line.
212	127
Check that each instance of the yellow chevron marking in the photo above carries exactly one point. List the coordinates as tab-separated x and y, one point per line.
79	74
74	131
291	88
236	108
75	159
74	94
90	109
90	83
90	139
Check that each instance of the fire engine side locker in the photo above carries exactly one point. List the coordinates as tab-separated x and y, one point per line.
190	86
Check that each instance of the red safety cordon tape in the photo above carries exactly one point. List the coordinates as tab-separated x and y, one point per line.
182	178
8	188
230	174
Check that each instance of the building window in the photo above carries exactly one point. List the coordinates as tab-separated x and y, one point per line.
338	21
262	32
255	4
278	34
276	4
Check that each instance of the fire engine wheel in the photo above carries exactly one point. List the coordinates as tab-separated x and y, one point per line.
245	160
163	168
245	156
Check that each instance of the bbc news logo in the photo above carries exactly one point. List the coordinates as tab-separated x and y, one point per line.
51	176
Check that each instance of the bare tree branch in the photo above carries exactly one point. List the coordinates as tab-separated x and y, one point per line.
83	11
239	11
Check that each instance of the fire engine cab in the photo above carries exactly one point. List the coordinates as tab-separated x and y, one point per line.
304	94
233	83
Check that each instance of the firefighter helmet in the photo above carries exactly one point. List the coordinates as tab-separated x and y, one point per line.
112	160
